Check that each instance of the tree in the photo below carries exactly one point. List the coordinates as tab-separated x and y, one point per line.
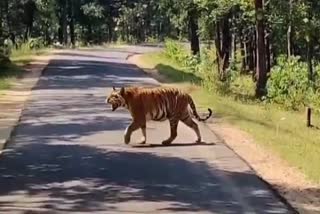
261	71
193	26
29	13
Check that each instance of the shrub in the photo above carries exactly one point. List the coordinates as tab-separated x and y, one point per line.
178	53
289	84
35	43
206	68
27	47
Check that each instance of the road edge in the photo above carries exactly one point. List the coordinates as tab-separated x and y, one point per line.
29	80
274	190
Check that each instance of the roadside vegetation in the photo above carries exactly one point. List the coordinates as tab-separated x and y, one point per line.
12	63
272	125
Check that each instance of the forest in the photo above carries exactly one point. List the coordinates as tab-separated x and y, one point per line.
272	45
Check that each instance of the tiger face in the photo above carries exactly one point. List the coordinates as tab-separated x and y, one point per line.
115	99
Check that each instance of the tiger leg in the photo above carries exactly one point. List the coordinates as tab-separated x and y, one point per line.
131	128
144	135
173	131
189	122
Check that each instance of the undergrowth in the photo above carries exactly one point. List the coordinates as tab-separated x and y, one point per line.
19	55
268	121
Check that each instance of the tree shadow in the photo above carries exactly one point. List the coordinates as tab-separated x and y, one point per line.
244	98
10	70
90	74
177	76
85	55
74	178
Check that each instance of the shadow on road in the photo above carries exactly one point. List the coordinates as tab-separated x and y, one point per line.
172	145
82	178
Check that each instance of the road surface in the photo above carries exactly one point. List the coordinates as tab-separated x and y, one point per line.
67	154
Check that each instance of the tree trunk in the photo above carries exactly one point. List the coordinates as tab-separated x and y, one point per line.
6	14
234	47
47	35
3	59
89	37
1	24
243	52
64	23
289	41
254	51
223	45
127	34
268	55
226	42
194	38
71	22
29	10
60	35
26	33
250	52
110	30
309	59
218	47
261	73
289	31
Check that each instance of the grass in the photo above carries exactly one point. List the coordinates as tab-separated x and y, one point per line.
19	58
281	131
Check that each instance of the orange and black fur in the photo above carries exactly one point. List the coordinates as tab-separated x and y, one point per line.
156	104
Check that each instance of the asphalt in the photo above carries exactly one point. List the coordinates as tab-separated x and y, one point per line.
67	154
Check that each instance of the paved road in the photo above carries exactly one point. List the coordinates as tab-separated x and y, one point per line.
67	154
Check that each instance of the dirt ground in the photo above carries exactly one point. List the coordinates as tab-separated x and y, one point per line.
303	195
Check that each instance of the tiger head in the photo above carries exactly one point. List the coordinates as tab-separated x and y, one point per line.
115	99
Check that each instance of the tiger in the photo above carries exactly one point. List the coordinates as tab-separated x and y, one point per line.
157	104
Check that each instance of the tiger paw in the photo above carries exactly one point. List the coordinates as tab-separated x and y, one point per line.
142	142
166	142
126	139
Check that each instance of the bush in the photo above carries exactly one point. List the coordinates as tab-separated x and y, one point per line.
35	43
28	47
178	53
7	47
206	68
289	84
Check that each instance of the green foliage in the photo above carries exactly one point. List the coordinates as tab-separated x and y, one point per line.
235	85
289	84
178	52
46	23
92	10
29	47
208	70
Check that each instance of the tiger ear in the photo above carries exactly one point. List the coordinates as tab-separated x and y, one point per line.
114	88
122	91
